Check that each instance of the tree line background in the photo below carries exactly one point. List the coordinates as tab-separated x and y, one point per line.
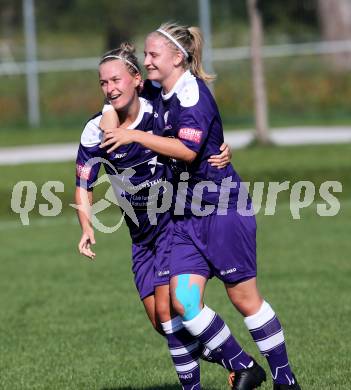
124	19
310	90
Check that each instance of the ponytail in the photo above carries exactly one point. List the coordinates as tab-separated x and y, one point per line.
188	40
196	57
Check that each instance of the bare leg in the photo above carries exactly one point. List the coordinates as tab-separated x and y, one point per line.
245	296
164	311
149	305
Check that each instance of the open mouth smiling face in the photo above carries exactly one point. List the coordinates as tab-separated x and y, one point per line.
117	84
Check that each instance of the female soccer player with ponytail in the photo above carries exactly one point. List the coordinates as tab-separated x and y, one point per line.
121	83
188	128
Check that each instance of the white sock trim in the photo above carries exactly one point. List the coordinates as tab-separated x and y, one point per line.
184	350
181	368
270	342
219	339
257	320
198	324
172	325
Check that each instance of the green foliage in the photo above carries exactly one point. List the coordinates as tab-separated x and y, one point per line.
124	18
128	19
290	20
300	90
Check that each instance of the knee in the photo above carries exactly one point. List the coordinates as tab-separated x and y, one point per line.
248	306
163	311
187	302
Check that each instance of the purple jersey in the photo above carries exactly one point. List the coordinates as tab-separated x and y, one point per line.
189	112
147	170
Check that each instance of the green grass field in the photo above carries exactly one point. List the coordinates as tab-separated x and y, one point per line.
68	323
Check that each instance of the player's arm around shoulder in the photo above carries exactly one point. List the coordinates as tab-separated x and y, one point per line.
109	118
170	147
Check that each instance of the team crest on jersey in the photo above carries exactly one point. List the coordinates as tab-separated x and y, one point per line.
83	171
189	134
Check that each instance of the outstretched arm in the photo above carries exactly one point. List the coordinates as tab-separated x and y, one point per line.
84	200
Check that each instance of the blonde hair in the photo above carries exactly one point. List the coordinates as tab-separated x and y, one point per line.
125	53
190	39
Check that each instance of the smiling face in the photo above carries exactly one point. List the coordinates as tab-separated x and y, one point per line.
162	63
118	84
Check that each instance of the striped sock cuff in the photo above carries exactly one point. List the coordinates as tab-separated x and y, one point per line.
265	329
173	325
198	324
220	338
265	314
186	367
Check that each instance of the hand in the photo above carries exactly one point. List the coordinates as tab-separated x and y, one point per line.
116	137
223	159
85	242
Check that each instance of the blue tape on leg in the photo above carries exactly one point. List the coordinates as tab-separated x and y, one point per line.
188	296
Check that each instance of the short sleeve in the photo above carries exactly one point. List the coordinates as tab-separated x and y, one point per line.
88	161
107	107
193	126
88	165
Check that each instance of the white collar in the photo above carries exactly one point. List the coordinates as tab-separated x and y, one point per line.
139	116
178	85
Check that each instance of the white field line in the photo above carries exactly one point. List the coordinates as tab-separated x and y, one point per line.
308	135
217	55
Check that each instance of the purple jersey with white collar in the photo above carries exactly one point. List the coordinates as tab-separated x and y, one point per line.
146	167
189	112
220	245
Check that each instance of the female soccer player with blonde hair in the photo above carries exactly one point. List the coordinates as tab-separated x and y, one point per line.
214	235
121	83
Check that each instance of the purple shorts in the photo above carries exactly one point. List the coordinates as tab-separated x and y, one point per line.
219	245
150	262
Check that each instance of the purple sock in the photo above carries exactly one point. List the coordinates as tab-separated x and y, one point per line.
210	356
213	333
185	352
268	334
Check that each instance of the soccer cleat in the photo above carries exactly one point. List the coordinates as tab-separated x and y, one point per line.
294	386
247	378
